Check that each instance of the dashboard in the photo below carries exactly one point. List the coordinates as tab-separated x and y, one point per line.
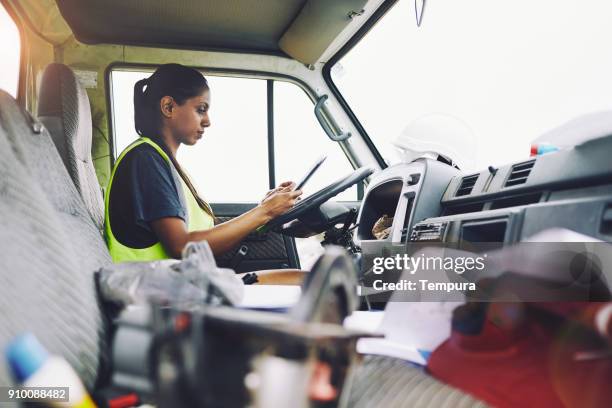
430	201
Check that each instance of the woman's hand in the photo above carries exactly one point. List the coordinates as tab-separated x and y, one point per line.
280	200
173	233
284	186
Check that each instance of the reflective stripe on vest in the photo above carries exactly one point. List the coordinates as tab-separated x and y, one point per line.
198	219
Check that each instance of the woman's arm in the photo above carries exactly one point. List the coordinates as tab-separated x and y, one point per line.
172	231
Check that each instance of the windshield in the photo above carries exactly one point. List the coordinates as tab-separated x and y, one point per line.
483	78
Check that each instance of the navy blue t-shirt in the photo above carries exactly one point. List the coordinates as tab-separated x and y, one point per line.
145	188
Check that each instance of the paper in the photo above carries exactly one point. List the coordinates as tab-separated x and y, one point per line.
270	296
364	321
384	347
412	330
371	322
423	325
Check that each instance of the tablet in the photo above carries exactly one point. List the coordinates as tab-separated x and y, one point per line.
310	172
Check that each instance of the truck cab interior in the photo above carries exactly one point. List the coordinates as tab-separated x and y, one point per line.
443	125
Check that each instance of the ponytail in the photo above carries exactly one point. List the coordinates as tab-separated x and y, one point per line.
181	83
143	110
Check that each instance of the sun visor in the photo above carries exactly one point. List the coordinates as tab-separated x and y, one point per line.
316	26
47	19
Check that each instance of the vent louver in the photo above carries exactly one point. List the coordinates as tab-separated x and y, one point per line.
519	173
467	184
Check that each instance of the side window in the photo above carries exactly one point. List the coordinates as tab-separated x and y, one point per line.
9	53
122	115
230	163
299	140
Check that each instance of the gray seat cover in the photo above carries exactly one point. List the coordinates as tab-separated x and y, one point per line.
63	107
391	382
49	249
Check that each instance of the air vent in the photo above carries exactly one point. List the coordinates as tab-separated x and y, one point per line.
467	184
519	173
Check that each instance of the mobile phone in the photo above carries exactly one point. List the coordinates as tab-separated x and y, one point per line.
310	172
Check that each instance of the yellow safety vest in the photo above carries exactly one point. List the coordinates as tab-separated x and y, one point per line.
198	219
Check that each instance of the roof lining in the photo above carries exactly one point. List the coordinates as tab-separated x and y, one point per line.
231	25
304	31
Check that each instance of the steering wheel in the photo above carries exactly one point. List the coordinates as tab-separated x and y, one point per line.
318	198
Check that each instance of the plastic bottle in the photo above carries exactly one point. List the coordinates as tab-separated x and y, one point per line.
33	366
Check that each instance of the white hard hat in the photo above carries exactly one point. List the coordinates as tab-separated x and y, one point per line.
437	134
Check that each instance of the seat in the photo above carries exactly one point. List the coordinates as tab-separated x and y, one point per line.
391	382
50	248
63	108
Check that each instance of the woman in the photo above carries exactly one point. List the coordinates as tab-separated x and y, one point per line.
152	208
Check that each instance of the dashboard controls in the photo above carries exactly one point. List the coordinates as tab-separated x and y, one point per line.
425	231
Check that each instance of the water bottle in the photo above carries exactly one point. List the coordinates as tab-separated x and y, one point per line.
33	366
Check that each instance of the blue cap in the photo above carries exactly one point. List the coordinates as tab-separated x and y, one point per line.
25	356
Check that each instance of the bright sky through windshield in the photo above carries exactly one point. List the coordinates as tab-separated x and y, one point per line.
510	70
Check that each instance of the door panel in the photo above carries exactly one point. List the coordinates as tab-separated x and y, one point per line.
267	250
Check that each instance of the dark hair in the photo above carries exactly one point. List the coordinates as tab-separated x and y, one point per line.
179	82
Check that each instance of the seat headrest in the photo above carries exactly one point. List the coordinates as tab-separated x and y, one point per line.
63	106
